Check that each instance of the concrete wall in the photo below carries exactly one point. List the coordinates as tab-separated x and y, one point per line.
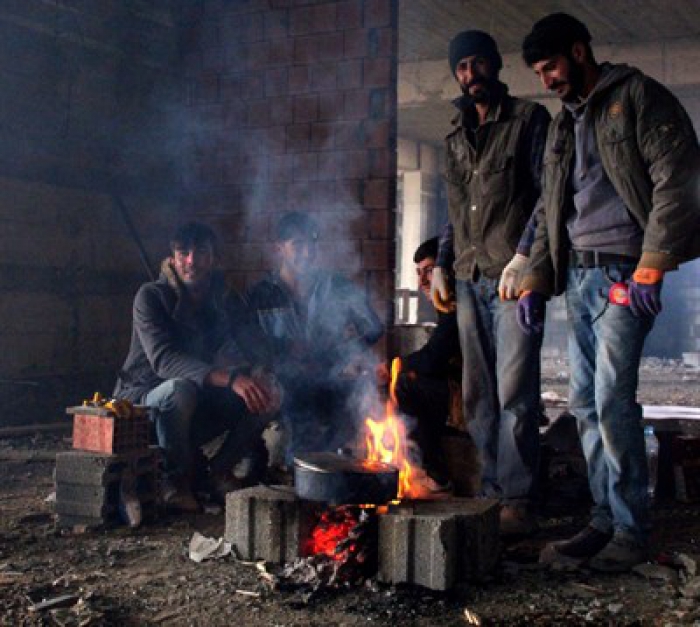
85	91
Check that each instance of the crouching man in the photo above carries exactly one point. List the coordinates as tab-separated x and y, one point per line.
431	376
185	365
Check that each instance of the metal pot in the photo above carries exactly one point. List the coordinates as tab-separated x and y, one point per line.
344	480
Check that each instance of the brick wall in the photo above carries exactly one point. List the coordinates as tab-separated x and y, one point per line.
292	106
88	94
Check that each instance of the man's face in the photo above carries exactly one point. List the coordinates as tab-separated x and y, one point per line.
476	76
194	264
562	75
424	270
297	254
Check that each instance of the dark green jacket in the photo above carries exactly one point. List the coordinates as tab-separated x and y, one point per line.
649	151
493	182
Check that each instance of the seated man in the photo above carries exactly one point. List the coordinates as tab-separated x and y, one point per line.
183	363
320	326
423	387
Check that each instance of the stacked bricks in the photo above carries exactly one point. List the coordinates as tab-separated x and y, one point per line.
439	544
88	485
269	523
292	106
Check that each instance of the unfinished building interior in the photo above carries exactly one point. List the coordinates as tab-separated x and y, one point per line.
120	119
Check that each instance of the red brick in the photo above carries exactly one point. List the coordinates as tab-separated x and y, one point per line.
299	79
375	255
350	74
324	76
246	28
298	137
351	164
324	17
322	136
381	224
382	163
305	166
356	43
245	169
281	111
348	135
234	116
242	85
276	139
213	59
331	47
330	106
381	103
378	13
382	42
258	114
299	195
301	21
280	52
276	24
249	256
377	193
378	133
349	15
305	109
276	82
206	89
378	72
281	168
339	255
356	104
258	55
305	49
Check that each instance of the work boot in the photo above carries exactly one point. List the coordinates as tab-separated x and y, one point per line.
620	555
517	520
178	498
575	551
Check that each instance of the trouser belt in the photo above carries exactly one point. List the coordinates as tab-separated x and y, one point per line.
595	259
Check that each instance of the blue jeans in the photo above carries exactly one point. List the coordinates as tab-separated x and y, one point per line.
501	390
187	417
605	348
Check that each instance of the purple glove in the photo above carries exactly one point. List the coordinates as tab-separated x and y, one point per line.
531	310
645	298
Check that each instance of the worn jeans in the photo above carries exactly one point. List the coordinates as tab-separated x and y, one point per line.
501	391
605	349
187	417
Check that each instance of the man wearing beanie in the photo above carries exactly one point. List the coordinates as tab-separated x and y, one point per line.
619	209
494	162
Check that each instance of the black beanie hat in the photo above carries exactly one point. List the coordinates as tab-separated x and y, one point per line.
552	35
471	42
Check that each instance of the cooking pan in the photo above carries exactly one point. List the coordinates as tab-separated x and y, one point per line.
339	479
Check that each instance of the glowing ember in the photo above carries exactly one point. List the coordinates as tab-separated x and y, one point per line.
386	440
333	527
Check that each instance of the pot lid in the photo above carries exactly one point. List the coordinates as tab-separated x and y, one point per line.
334	462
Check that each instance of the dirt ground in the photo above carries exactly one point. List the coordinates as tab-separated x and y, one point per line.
145	577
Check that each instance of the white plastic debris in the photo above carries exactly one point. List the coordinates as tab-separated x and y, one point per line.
203	548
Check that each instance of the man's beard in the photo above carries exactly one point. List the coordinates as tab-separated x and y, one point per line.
575	80
481	96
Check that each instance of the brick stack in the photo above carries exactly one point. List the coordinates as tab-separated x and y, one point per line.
114	461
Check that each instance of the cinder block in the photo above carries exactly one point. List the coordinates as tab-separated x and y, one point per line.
476	533
416	549
268	522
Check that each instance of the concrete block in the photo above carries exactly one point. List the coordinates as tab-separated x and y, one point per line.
416	549
476	528
268	522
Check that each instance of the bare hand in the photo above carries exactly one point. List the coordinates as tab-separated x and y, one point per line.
382	373
256	397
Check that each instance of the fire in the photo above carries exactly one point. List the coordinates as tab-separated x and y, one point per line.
333	527
386	440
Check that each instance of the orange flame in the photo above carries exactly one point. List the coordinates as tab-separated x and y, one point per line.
386	440
333	527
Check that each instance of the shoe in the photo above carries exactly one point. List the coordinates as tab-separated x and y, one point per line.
620	555
179	499
517	520
575	551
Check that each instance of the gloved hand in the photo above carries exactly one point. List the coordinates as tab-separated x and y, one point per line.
531	311
510	277
443	299
645	292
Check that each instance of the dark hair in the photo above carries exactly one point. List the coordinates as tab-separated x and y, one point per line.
429	248
191	235
553	35
294	224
